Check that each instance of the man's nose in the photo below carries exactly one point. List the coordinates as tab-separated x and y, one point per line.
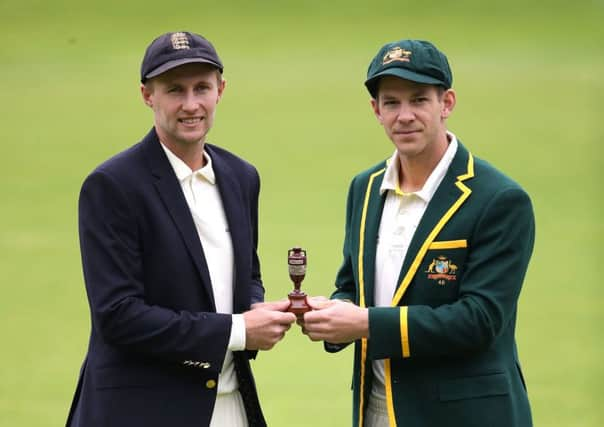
405	114
190	101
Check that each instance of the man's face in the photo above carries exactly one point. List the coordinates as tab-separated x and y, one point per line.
413	115
184	101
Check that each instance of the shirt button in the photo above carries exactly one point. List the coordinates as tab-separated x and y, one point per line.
210	384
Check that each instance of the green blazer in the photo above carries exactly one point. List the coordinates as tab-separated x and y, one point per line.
448	337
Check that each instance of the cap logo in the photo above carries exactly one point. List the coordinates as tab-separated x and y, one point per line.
180	41
396	54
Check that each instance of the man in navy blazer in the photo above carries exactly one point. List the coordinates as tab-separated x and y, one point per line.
168	235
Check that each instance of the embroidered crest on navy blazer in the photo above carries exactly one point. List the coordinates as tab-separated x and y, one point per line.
442	270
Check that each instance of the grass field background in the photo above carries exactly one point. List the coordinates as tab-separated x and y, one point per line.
529	81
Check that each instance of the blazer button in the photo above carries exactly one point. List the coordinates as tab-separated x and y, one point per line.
210	384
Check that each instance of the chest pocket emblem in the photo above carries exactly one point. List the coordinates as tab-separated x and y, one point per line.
442	270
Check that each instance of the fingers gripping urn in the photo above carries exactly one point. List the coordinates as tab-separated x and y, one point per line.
296	261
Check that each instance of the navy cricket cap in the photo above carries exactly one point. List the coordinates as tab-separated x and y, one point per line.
416	60
171	50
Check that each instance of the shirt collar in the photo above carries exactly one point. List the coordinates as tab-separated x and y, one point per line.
390	181
183	171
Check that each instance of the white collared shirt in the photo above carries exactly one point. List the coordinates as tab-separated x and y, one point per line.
400	218
203	198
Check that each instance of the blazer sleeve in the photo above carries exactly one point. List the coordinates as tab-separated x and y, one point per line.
114	275
499	253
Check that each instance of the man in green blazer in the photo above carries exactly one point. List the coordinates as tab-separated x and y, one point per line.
436	249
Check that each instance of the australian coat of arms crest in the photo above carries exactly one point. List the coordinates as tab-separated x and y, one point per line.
442	270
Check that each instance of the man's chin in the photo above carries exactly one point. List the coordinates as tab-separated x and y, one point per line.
192	138
408	149
403	144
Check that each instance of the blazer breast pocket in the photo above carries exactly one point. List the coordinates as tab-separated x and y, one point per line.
439	273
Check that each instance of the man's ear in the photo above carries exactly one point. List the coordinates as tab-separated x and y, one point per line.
146	92
449	101
376	109
221	87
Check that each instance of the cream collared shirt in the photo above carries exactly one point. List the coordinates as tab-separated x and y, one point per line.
205	204
400	218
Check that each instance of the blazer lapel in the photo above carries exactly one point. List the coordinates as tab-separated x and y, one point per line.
234	208
170	192
450	195
373	205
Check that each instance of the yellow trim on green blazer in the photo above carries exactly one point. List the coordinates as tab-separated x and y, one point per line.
465	193
362	289
388	386
449	244
404	333
388	370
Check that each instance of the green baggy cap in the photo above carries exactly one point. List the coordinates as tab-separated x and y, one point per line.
416	60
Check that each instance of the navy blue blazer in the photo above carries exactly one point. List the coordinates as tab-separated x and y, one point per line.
157	344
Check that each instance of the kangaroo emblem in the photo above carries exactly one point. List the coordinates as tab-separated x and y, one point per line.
442	270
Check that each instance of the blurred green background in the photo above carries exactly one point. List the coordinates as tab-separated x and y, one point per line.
529	81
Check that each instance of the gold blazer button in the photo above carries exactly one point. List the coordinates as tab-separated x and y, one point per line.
210	383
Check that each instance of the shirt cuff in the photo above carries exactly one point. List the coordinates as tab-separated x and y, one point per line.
237	338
